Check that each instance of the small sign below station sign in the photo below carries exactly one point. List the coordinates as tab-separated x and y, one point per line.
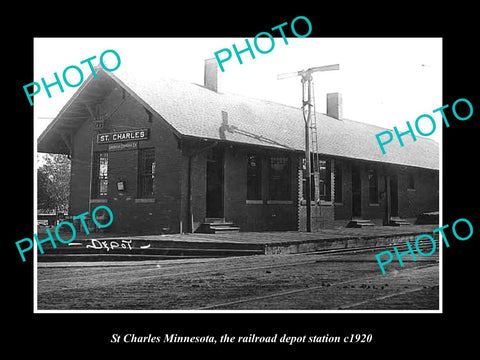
121	136
123	146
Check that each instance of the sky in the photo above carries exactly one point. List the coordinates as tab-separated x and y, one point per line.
383	81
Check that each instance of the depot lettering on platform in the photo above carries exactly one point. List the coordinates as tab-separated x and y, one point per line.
80	217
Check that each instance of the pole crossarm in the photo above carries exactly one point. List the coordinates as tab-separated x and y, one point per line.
321	68
306	74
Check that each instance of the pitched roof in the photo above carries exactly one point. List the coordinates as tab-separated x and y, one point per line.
193	110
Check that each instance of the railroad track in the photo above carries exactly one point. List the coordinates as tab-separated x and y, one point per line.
125	274
316	288
384	297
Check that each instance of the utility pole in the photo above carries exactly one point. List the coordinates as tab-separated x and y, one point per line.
307	108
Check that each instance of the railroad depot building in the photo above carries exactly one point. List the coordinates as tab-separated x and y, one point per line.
168	156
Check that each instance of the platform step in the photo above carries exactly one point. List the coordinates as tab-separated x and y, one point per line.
225	223
396	221
225	227
217	225
428	218
218	228
360	223
214	220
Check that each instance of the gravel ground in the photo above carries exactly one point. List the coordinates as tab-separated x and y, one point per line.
351	281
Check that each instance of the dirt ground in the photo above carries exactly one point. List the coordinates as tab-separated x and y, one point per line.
350	281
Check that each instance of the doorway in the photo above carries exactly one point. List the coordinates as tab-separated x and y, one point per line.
356	193
393	196
214	193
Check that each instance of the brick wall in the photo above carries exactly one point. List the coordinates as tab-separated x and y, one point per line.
322	217
168	210
80	169
199	186
424	197
343	209
263	215
131	214
411	202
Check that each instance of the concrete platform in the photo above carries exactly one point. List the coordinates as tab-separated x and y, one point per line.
118	247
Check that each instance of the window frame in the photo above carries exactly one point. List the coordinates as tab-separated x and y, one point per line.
284	182
338	176
410	182
255	176
145	174
97	177
376	198
324	182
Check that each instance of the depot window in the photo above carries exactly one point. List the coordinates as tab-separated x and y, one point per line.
410	182
320	179
338	183
324	179
372	187
279	182
254	177
146	173
99	175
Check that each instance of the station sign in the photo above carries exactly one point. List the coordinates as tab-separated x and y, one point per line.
122	136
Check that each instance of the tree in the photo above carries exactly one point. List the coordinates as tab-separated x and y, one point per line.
44	186
53	184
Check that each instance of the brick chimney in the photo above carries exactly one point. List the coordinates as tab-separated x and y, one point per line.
210	76
334	105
